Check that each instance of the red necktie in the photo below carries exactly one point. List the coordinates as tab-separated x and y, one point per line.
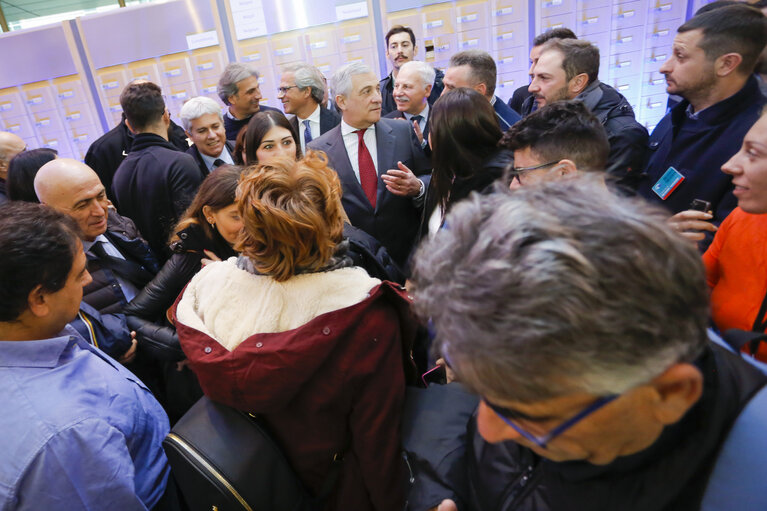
368	176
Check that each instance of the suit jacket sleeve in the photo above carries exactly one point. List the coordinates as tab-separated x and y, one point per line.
628	153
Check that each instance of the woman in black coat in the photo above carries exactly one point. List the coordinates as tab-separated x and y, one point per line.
207	230
466	158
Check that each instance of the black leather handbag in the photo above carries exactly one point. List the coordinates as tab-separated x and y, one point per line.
223	460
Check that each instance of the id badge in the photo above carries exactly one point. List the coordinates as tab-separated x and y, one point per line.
667	183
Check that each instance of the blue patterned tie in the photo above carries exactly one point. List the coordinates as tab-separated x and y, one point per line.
307	132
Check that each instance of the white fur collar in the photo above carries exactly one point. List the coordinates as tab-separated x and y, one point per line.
230	304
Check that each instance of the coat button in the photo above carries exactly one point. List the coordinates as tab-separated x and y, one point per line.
259	344
208	349
326	331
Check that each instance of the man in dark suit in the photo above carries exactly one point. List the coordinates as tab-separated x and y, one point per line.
476	70
373	158
411	93
302	90
204	125
107	152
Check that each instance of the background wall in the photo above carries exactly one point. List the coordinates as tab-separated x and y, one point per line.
60	83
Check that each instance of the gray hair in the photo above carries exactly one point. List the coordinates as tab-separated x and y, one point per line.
341	82
232	75
308	76
482	66
196	108
424	70
560	288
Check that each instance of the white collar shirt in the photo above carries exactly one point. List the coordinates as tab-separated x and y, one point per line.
351	142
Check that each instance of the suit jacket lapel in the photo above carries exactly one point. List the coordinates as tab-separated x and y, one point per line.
385	142
339	158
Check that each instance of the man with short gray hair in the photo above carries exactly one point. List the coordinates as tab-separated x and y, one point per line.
412	88
239	90
204	125
579	319
476	70
373	158
302	90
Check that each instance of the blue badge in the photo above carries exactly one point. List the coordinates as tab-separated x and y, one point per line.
667	183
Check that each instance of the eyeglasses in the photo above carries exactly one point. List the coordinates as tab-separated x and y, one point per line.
284	90
518	172
542	441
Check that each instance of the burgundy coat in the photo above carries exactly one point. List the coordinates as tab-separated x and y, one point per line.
337	380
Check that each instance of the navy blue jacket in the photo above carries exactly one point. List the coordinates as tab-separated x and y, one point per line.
153	186
697	148
505	115
387	92
108	332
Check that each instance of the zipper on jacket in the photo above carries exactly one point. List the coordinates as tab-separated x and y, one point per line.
411	479
521	487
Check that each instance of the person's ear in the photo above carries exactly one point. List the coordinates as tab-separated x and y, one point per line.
676	390
206	212
341	102
727	64
578	84
481	88
566	167
37	300
128	124
428	89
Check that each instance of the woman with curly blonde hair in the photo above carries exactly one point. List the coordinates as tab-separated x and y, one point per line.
293	332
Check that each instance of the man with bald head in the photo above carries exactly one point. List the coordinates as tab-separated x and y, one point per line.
119	261
10	146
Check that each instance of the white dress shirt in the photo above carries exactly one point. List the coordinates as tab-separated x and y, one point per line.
210	160
314	127
424	114
352	143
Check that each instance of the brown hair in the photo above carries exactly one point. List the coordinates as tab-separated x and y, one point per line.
292	215
217	191
398	29
578	56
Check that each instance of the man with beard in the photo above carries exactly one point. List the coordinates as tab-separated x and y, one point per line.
569	69
711	67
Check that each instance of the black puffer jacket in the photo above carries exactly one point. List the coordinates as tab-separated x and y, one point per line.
368	253
104	293
146	313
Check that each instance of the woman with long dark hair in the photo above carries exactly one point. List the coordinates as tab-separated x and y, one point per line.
464	135
268	136
208	229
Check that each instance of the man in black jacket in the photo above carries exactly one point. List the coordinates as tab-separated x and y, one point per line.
580	322
204	125
568	69
119	261
109	150
155	183
401	48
